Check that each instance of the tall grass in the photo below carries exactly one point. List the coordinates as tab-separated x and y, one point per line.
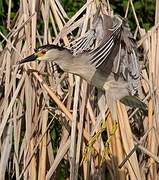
33	97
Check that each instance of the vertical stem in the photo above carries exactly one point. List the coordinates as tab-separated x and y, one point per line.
73	130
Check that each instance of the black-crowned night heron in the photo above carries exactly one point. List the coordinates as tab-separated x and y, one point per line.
111	66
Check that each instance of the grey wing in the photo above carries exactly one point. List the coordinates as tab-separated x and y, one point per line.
117	54
100	27
83	43
129	67
104	56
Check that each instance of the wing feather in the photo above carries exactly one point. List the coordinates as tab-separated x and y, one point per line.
83	43
116	52
104	55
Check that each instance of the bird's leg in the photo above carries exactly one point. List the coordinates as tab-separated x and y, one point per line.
113	111
112	107
88	149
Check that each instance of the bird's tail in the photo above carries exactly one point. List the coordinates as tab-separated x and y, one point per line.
134	102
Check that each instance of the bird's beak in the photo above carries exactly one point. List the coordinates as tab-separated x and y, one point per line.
30	58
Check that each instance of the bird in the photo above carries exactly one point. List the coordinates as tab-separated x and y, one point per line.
112	65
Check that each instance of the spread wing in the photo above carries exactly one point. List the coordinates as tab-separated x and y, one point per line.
100	28
116	50
104	56
117	54
83	43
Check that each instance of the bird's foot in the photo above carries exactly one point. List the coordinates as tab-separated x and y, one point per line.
106	151
88	149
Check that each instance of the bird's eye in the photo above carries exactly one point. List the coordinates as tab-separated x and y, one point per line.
43	52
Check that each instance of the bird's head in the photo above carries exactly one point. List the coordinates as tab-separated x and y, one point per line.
44	53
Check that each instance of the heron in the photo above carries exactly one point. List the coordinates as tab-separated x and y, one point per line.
112	65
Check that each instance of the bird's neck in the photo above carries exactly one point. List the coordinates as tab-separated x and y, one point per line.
77	65
64	60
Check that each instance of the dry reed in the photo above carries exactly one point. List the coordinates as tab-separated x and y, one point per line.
32	97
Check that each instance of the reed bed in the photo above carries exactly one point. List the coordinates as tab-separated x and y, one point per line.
54	125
